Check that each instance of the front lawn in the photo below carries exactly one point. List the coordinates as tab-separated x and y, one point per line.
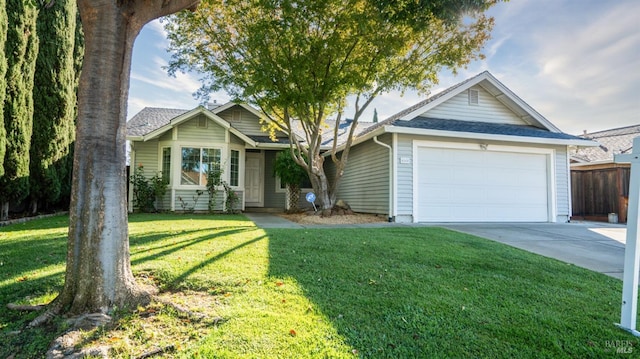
321	293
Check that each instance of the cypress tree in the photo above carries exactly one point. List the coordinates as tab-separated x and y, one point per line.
54	101
3	69
21	49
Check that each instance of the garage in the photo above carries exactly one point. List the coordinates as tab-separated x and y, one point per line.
481	183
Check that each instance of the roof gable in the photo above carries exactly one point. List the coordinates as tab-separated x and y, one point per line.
152	123
492	89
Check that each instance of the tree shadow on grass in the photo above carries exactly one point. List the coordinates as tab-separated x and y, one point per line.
429	292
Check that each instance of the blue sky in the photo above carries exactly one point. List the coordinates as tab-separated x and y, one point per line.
577	62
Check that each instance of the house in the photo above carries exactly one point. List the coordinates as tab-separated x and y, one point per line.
600	186
183	144
474	152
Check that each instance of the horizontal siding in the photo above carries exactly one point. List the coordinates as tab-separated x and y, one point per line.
146	155
167	136
235	140
272	199
404	173
365	183
488	109
189	131
248	123
190	198
563	187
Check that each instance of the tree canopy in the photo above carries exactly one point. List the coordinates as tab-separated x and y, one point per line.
22	44
301	60
54	98
3	70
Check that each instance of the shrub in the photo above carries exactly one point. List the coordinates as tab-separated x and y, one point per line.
147	191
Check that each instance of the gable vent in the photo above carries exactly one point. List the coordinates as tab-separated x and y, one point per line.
202	122
474	97
237	115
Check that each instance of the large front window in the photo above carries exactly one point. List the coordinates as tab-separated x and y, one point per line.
196	162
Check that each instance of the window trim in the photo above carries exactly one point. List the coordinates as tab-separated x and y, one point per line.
181	146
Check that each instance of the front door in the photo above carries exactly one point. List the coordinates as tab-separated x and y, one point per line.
254	190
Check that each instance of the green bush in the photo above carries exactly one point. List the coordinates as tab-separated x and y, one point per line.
147	191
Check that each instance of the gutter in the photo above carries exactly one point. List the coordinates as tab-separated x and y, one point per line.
375	139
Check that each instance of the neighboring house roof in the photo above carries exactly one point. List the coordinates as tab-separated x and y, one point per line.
613	141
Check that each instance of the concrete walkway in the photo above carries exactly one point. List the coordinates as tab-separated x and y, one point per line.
592	245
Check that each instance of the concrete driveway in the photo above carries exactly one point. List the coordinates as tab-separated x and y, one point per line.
591	245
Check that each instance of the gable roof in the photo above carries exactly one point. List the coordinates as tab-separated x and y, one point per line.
613	141
150	119
537	128
153	122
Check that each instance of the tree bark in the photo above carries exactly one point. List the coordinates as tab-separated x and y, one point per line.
98	274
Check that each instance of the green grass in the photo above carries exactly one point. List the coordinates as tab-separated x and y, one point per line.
334	293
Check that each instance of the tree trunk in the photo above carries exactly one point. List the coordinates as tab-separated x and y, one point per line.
4	211
98	275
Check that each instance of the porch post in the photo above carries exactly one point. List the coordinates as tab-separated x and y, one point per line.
629	312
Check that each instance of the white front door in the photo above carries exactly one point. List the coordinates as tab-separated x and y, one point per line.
254	168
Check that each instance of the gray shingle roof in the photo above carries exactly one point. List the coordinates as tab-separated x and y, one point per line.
483	127
150	119
613	141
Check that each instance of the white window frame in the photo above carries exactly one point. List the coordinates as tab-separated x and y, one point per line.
178	166
241	160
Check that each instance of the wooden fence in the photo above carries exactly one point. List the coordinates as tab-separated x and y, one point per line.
597	192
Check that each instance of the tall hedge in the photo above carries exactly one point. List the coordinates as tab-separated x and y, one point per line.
54	98
21	49
3	69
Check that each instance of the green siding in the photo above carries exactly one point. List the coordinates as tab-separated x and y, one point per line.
189	131
272	199
246	122
146	155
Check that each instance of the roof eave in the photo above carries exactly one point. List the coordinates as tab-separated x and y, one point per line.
377	132
490	137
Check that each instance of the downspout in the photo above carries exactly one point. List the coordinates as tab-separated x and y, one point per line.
375	139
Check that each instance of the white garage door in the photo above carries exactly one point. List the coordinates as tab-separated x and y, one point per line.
460	185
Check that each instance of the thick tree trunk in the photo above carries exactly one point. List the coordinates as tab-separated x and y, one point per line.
98	275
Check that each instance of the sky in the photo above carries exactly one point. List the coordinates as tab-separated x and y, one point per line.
576	62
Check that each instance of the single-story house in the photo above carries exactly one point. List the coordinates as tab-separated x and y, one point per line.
600	186
474	152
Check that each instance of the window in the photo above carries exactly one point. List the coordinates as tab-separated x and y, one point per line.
196	162
234	172
166	164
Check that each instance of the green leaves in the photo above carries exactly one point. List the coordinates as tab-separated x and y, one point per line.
301	60
309	56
